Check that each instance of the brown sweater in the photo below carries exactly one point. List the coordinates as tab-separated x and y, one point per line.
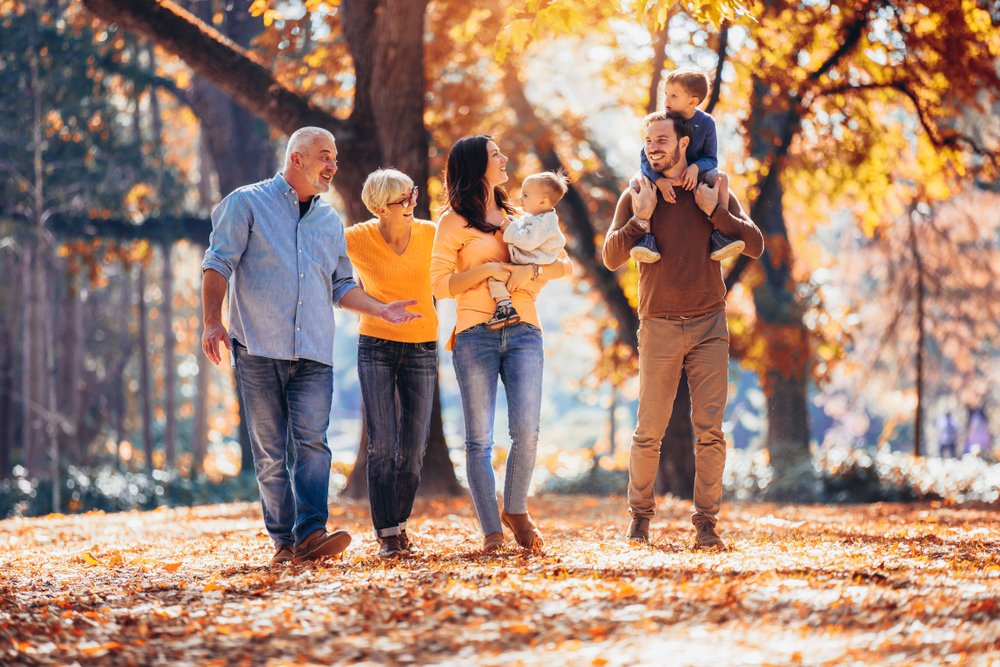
685	281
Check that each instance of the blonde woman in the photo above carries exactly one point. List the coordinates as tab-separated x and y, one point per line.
392	255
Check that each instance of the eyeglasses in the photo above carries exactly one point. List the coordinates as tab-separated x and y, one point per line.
409	200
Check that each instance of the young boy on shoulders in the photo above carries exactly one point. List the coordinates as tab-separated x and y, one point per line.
685	90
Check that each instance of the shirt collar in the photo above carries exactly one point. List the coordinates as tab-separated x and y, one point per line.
285	189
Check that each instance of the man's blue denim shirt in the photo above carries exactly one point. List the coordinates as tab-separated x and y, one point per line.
285	274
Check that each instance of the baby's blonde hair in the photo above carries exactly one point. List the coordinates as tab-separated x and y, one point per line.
384	185
555	184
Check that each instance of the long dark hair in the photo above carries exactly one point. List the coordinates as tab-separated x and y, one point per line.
466	182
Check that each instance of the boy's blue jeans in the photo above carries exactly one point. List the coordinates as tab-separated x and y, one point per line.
396	440
288	403
513	354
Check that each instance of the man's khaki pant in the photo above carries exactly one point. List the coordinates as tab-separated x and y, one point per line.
700	345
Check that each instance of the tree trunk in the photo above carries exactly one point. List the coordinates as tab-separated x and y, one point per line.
199	435
169	362
8	363
117	379
918	417
675	471
144	391
778	311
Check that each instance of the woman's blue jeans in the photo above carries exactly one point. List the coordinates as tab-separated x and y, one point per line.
396	440
513	354
288	404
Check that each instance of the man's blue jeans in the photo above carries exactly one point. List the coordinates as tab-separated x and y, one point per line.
288	402
396	441
513	354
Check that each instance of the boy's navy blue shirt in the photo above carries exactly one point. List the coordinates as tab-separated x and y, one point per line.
702	150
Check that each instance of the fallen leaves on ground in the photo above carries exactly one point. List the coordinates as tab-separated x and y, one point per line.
801	585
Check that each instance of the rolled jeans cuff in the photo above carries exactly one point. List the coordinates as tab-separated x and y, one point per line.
387	532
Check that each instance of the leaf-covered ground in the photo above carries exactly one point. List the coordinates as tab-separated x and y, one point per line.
885	584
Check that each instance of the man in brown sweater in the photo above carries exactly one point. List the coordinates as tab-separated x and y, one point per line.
682	315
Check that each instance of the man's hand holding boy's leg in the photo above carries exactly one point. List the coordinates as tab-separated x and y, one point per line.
722	182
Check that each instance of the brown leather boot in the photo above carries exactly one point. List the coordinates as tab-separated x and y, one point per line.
493	542
282	554
638	530
706	537
321	544
524	529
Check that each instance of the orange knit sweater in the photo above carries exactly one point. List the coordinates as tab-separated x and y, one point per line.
387	277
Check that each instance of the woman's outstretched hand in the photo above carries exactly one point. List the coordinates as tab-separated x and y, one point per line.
396	312
520	276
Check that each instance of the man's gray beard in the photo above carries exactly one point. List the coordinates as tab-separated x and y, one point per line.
321	185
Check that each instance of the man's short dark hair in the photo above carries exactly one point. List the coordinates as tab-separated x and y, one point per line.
682	126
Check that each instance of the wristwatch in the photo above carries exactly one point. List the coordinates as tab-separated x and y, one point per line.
537	269
642	222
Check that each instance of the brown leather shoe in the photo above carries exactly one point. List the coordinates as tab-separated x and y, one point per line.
638	530
707	538
524	529
321	544
493	542
283	554
404	542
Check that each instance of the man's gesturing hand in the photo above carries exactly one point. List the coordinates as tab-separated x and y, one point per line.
644	202
214	334
396	312
707	198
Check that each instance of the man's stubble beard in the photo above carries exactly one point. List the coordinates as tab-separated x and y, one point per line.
671	161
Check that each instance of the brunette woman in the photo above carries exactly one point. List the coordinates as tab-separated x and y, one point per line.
469	249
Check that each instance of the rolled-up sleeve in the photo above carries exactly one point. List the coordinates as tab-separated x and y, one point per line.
231	223
343	275
444	258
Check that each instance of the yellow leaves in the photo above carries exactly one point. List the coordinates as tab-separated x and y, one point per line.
258	7
90	559
272	15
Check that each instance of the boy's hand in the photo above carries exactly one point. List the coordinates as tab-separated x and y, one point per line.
667	190
689	179
505	224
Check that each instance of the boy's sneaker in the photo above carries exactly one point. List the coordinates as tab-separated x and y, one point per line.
645	251
722	247
404	542
504	315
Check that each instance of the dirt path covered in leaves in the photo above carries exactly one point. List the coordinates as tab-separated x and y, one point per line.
885	584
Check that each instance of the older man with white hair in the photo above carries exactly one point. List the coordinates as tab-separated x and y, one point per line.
280	251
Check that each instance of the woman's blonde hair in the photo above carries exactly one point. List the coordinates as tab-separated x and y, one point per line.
384	185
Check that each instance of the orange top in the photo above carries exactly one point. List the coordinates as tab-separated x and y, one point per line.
459	248
387	277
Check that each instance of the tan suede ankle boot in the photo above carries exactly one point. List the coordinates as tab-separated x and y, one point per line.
524	529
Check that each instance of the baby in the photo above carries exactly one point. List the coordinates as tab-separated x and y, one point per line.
685	90
533	239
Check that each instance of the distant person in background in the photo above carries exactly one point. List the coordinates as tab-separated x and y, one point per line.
977	434
947	430
392	255
279	250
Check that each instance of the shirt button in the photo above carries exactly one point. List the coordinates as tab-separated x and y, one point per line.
298	329
300	303
302	275
300	250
